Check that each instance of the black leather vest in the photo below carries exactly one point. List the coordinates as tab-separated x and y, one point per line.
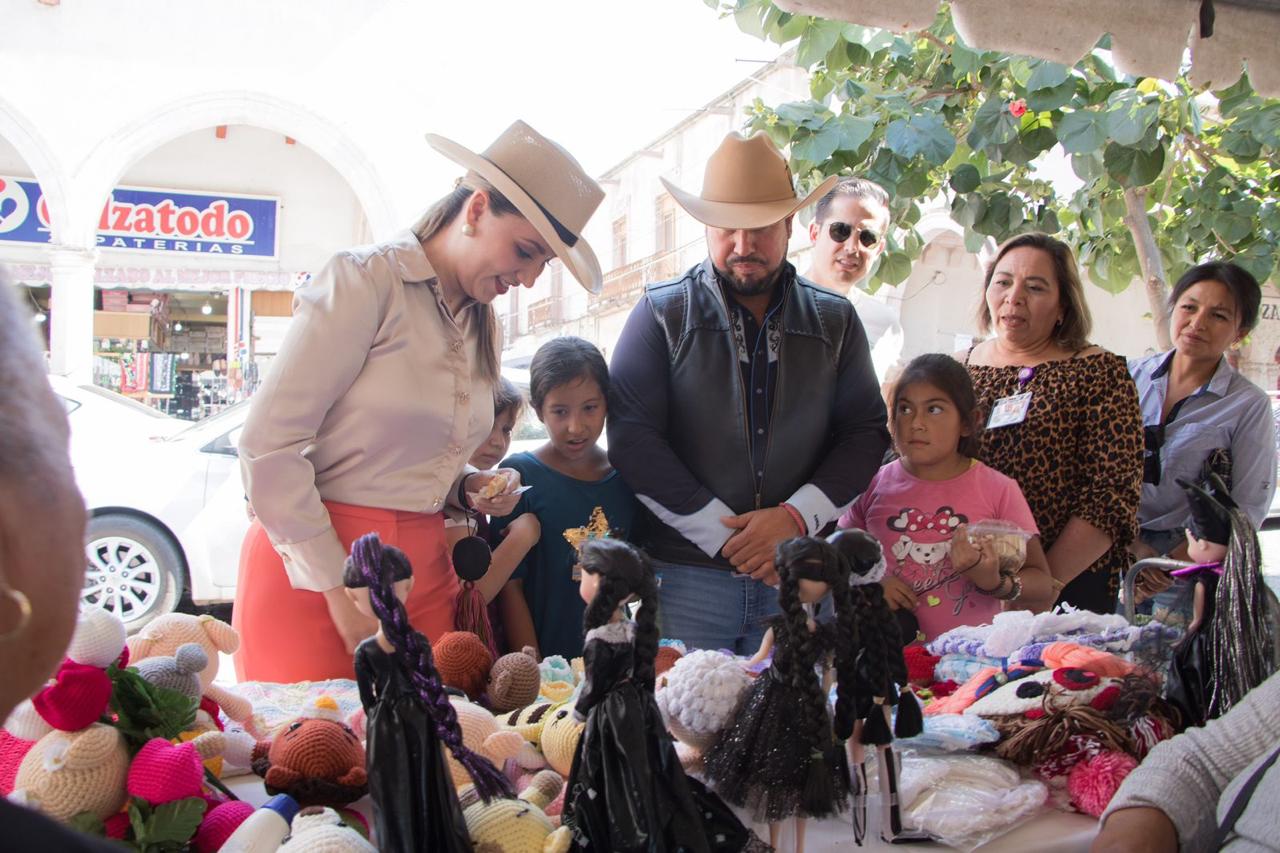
707	425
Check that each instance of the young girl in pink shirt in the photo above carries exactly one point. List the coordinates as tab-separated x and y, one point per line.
920	506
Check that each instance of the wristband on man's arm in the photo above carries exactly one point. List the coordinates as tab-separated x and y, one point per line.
795	516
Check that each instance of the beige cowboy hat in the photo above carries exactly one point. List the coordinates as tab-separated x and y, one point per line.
546	185
747	185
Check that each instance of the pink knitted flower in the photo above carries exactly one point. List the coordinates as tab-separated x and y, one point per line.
77	698
117	826
1093	782
218	824
162	772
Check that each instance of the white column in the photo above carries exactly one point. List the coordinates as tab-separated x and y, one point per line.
71	313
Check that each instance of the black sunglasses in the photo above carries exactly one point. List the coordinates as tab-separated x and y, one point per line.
841	231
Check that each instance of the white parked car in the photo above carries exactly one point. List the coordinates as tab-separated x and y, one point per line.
167	512
166	503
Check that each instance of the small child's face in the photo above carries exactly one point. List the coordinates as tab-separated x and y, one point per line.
574	415
494	448
927	426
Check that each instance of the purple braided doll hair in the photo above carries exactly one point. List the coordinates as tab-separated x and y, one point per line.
414	653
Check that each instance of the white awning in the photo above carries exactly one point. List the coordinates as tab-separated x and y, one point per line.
1148	37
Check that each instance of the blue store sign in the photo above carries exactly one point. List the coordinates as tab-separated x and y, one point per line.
152	220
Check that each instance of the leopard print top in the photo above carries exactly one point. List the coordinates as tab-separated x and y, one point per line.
1077	453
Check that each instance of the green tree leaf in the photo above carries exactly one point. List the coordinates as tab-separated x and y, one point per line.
894	267
964	60
818	39
805	114
176	821
1130	116
1132	167
854	131
1081	132
993	124
1045	100
921	135
1047	75
965	178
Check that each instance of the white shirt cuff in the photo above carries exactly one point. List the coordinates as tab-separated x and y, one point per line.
703	528
314	564
814	507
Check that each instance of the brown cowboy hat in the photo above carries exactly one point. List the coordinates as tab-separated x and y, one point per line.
546	185
747	185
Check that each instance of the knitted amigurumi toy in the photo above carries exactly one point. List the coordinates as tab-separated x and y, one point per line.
81	690
514	681
516	826
163	636
316	759
669	651
67	773
558	679
700	695
317	830
560	736
218	824
162	772
483	735
463	661
180	673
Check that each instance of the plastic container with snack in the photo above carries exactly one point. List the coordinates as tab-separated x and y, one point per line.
1008	539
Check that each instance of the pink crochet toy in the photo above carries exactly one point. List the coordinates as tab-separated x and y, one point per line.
1093	782
218	824
162	772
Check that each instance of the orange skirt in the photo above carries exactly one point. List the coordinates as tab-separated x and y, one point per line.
286	634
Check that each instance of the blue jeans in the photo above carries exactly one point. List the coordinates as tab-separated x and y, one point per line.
709	608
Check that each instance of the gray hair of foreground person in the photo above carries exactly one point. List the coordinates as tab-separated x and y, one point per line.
42	515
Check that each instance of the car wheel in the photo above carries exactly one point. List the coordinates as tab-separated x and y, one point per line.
134	570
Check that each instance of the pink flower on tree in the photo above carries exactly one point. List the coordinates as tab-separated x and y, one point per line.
1018	108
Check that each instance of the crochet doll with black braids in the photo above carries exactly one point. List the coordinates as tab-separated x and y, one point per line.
409	715
783	756
626	788
874	681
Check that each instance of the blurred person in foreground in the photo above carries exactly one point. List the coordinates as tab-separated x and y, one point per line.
42	524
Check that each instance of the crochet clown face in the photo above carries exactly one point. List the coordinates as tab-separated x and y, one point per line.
1046	688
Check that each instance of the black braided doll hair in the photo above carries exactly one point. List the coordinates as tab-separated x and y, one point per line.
624	571
796	648
377	567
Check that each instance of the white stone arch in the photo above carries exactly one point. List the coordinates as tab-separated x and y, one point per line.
45	167
99	173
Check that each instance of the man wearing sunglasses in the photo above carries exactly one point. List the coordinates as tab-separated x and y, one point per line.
743	409
847	231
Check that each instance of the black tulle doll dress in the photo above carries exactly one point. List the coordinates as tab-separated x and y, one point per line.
626	788
415	807
762	761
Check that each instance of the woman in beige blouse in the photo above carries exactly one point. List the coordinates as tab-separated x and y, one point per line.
380	393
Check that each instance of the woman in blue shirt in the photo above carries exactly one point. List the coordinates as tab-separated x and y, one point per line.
1194	403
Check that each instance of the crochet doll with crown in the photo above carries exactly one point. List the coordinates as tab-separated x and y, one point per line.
409	715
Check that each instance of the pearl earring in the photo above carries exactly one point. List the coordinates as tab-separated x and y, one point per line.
468	230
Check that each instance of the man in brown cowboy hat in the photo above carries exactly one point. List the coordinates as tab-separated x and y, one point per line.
744	410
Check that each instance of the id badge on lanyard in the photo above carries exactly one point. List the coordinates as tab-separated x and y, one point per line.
1014	408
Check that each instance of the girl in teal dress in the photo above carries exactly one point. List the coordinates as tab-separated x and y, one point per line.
570	477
